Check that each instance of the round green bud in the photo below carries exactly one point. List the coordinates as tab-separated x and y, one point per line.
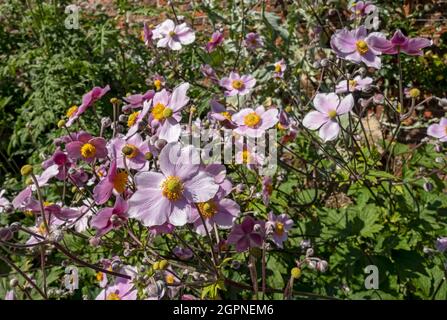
148	156
163	264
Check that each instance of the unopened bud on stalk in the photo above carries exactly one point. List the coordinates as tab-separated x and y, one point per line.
127	150
114	100
324	62
13	282
116	265
148	156
122	118
438	148
240	188
106	122
163	264
322	266
309	252
295	273
235	264
160	144
26	170
6	234
94	241
61	123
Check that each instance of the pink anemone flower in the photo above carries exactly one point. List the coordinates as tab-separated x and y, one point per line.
114	181
103	221
216	39
87	148
248	234
166	112
357	46
254	122
438	130
329	107
168	196
356	84
172	36
278	228
235	84
88	99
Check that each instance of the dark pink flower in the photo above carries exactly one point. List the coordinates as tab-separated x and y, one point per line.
87	147
401	43
215	40
248	234
88	99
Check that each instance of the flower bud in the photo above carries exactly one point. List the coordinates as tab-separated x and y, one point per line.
26	170
106	122
148	156
114	100
6	234
235	264
240	188
156	265
160	144
116	265
61	123
322	266
310	252
13	282
94	241
163	264
324	62
428	186
122	118
438	148
295	273
15	226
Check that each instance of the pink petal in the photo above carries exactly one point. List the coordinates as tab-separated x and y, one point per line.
200	188
314	120
346	105
329	131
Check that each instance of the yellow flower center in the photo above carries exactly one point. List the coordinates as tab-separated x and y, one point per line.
120	181
414	93
99	276
71	111
362	47
172	188
142	35
133	151
170	279
172	33
332	114
277	68
245	156
252	120
226	114
352	83
157	84
132	118
113	296
279	228
88	150
47	203
28	213
158	111
207	209
237	84
42	230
